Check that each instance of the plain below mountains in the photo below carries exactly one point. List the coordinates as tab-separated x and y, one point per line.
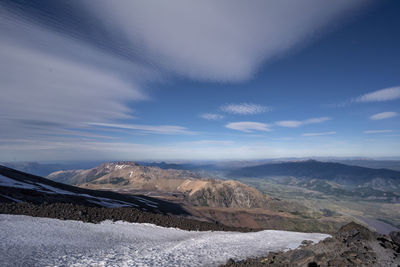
329	178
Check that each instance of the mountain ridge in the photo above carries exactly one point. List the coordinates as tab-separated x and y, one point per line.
198	190
230	202
331	171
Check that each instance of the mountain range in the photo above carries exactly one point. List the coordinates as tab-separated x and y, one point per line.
229	202
128	176
312	169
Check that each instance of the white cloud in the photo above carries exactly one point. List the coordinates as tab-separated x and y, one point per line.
316	120
219	40
154	129
211	116
244	108
319	134
294	124
380	95
383	115
377	131
248	126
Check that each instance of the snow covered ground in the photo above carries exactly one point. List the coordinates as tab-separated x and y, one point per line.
29	241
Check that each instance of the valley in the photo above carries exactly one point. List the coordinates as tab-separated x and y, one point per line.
365	194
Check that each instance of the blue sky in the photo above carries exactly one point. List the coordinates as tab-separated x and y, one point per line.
173	80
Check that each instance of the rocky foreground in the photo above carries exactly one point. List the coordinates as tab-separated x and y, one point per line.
352	245
65	211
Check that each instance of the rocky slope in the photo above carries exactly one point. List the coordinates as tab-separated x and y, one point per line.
130	173
352	245
84	213
18	187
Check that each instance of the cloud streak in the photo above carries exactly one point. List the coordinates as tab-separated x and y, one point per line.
244	109
51	82
383	115
377	131
386	94
211	116
153	129
248	126
295	124
319	134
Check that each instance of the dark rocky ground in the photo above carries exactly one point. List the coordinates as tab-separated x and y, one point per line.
66	211
77	195
352	245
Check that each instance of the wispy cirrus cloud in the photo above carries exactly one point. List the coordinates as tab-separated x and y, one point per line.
319	134
248	126
377	131
153	129
383	115
295	123
211	116
52	82
244	108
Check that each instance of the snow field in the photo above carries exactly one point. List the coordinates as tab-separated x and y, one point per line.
33	241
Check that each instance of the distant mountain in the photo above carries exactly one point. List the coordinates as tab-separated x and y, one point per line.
334	179
17	186
121	173
44	169
125	176
179	166
369	163
330	171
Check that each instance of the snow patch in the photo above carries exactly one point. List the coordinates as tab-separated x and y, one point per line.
146	201
42	242
121	166
5	181
105	202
